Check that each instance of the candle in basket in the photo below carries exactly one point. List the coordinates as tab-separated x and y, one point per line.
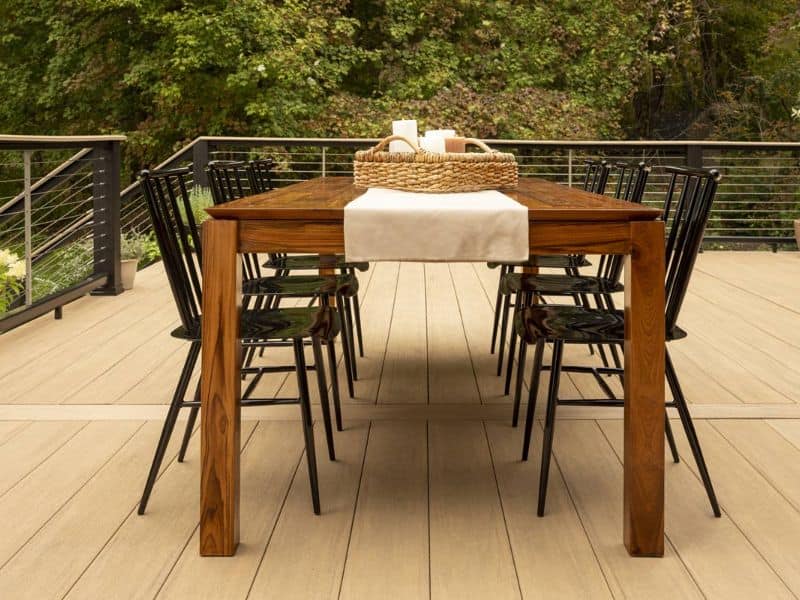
455	144
440	133
406	128
432	144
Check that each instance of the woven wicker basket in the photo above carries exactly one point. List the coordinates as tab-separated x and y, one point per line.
423	171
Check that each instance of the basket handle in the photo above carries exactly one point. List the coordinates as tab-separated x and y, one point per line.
392	138
479	144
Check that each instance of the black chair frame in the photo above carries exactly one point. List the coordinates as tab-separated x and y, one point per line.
686	219
179	241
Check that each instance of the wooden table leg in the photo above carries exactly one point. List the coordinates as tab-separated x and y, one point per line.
644	391
220	390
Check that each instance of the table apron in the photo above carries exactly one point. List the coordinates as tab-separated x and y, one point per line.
327	237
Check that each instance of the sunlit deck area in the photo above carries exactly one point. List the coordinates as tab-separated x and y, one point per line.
428	497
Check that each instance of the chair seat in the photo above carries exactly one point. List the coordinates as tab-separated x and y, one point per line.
278	324
301	286
575	325
557	285
549	261
313	261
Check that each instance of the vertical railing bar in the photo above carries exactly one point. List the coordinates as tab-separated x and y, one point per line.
26	159
324	169
569	168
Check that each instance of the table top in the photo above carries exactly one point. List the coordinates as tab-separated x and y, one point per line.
324	199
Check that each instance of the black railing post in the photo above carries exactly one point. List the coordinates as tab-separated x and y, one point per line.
106	208
694	156
199	163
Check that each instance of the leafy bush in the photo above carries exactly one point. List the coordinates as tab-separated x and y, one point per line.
12	275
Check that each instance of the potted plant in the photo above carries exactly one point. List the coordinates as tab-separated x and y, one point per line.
12	275
133	248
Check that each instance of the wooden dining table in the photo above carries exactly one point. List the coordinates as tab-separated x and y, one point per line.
308	217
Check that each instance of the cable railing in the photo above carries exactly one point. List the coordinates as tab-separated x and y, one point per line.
60	215
62	210
757	201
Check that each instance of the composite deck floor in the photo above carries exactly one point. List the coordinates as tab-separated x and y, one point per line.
428	497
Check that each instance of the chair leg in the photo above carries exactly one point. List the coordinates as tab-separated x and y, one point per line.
673	448
187	433
348	367
549	424
308	424
691	434
497	309
512	349
322	383
503	331
347	313
536	372
169	423
357	318
523	349
332	367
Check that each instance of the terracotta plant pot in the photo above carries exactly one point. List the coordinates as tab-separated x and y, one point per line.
128	273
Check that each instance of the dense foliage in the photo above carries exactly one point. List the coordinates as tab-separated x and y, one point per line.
165	71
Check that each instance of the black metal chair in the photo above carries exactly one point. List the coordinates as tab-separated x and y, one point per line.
179	240
259	174
526	287
261	181
595	181
231	180
686	219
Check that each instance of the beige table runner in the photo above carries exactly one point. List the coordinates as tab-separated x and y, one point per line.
384	225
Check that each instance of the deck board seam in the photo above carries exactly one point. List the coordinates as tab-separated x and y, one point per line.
502	508
75	493
355	509
667	540
41	462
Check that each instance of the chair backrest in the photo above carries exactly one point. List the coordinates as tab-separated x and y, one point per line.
685	217
631	182
596	176
178	238
228	180
260	173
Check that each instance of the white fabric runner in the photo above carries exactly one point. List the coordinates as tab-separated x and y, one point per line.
387	224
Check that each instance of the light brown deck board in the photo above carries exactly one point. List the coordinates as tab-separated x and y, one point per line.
759	510
404	376
466	513
109	497
32	446
554	556
306	554
448	352
594	479
71	487
388	551
33	500
262	500
720	558
157	538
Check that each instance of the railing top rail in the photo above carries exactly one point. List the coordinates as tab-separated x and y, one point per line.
57	139
573	143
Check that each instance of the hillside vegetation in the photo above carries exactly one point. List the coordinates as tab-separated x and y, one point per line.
166	71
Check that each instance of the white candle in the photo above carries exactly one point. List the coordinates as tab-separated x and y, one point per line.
441	133
432	144
407	128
